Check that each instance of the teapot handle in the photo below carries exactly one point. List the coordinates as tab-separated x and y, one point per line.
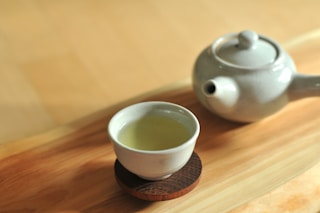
303	86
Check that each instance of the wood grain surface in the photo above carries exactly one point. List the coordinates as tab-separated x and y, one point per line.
66	65
72	168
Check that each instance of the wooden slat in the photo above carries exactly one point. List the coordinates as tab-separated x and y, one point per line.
74	170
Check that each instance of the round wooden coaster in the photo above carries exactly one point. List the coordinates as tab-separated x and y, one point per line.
175	186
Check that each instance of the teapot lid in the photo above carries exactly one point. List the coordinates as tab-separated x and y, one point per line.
246	49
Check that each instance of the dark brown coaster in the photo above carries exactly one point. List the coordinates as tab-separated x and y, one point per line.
178	184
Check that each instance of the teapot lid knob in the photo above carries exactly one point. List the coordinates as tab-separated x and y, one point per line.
247	39
245	49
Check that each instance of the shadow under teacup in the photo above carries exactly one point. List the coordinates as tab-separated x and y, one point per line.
153	139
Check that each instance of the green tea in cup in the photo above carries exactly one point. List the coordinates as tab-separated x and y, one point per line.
154	132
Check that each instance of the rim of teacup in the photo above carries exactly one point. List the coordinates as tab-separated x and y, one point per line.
180	109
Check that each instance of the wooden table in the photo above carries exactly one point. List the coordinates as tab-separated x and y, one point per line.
63	64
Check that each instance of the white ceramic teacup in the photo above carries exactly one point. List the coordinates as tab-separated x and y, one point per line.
162	122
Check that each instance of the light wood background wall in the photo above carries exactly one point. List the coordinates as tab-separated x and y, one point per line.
63	59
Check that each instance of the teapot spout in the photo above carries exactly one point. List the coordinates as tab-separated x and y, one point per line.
303	86
221	93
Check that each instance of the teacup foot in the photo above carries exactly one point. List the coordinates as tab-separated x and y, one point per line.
155	179
174	186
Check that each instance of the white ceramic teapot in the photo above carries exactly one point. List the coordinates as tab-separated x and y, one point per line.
246	77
